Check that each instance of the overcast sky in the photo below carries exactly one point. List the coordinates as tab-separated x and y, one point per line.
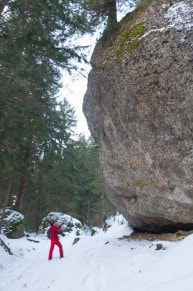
75	86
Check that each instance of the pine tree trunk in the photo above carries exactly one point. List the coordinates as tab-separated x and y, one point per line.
7	199
88	214
19	200
38	202
22	181
102	210
112	14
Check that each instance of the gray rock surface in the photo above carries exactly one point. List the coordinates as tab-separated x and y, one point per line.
139	107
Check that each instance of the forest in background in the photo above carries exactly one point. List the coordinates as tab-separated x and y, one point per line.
43	166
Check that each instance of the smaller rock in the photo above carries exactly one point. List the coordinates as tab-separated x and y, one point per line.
13	223
75	240
159	247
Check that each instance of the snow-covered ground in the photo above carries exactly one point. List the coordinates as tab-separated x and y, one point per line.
98	263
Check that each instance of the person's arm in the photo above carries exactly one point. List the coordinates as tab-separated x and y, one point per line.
58	227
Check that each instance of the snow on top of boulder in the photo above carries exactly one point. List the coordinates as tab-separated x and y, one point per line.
69	223
61	217
11	215
180	15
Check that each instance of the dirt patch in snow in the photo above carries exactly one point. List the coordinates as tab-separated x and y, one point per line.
137	235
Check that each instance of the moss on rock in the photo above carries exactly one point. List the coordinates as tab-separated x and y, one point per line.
128	40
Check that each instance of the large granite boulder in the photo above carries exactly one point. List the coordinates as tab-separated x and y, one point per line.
139	107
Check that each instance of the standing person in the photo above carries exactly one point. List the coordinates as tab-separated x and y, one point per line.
54	237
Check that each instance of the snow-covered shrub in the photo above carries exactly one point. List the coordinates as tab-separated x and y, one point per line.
69	224
13	223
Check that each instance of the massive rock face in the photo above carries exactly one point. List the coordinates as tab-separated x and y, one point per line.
139	107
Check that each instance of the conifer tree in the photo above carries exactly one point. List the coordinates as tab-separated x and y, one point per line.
33	48
41	166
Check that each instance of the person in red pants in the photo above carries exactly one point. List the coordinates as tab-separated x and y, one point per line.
54	237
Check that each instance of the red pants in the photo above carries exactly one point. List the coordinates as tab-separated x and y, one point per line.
59	245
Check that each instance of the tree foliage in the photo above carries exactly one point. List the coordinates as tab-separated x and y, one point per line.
103	9
41	166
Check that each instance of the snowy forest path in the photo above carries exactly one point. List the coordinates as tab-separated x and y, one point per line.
101	262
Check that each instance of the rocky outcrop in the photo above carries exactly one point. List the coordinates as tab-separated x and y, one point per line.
139	107
12	223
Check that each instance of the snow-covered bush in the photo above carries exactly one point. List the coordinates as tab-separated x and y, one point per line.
13	223
69	224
